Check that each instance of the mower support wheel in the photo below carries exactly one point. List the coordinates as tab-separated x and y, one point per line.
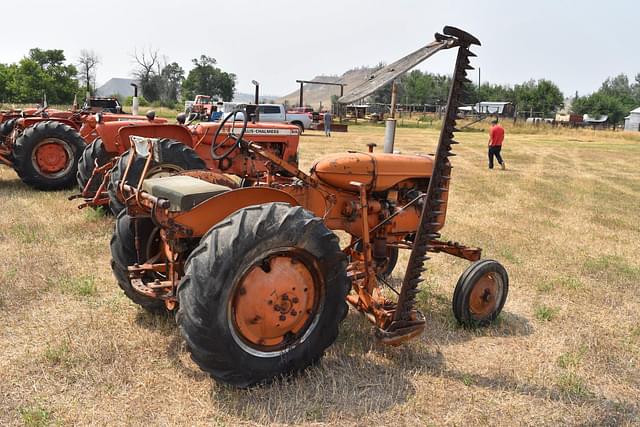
480	293
46	155
174	157
263	294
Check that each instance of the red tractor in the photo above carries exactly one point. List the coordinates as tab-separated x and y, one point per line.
179	148
44	145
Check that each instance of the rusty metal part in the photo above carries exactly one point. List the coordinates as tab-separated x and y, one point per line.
482	300
274	301
212	177
438	184
392	71
455	249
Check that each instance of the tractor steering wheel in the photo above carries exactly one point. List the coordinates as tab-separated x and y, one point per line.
230	135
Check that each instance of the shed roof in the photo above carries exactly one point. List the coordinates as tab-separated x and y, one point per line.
636	111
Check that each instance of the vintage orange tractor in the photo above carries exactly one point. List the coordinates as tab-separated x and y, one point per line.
44	146
179	148
257	275
201	108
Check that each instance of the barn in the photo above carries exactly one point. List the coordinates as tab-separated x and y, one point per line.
632	121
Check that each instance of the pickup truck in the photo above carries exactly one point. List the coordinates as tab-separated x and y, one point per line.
276	113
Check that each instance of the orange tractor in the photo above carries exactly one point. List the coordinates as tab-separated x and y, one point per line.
257	275
44	145
179	148
201	108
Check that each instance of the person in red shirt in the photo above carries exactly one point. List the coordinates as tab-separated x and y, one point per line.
496	137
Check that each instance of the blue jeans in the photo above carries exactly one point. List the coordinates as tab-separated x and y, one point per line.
327	128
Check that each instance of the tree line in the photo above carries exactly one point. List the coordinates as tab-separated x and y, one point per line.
418	87
615	98
48	72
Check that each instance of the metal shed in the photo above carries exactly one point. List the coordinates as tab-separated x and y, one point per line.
632	121
505	109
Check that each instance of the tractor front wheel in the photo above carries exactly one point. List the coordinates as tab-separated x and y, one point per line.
46	155
480	293
172	157
92	154
263	294
124	254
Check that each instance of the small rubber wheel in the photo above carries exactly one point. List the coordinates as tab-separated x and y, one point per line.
124	254
174	157
480	293
263	294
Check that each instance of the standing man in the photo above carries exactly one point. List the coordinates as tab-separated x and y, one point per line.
327	123
496	137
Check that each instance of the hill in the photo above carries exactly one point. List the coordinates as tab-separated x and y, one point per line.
316	95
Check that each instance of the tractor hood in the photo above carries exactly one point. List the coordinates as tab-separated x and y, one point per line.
378	171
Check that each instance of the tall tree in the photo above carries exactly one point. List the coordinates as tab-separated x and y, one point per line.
40	72
207	79
172	77
145	73
87	63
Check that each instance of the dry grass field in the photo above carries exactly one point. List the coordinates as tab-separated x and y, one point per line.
563	218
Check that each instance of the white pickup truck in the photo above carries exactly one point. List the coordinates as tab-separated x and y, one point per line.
276	113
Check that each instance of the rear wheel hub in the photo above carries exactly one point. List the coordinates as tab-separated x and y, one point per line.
275	302
52	157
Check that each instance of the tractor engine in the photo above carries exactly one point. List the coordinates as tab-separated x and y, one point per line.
395	185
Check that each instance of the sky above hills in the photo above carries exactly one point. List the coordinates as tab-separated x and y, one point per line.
575	44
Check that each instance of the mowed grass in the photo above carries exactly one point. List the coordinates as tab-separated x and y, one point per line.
563	218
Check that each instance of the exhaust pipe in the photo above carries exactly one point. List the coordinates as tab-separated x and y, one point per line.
134	102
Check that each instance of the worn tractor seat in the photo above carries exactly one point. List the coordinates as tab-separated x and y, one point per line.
182	192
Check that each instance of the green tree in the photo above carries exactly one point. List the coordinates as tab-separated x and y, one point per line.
207	79
615	98
172	78
601	104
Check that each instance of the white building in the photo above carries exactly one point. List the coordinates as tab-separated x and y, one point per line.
632	121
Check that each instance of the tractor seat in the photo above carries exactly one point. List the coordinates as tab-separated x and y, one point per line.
182	192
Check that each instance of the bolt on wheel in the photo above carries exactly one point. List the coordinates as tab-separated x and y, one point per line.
275	303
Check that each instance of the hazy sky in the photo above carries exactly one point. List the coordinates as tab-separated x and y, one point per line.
575	44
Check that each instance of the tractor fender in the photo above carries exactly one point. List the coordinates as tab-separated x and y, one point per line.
115	134
32	121
210	212
169	131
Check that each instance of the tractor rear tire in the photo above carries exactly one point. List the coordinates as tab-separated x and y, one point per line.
56	168
241	273
174	156
123	253
92	153
480	293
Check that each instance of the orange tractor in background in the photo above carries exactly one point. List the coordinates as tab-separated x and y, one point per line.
44	145
257	276
179	148
201	108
